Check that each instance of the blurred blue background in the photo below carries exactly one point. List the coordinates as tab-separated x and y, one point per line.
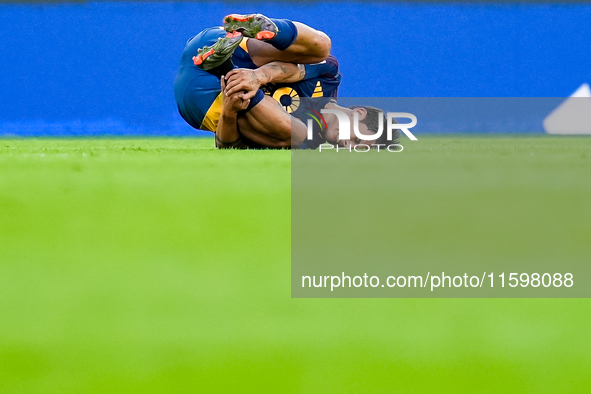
108	68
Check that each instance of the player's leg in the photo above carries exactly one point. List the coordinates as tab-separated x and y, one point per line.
279	39
268	125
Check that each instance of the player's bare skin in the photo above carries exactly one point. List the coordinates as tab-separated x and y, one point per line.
267	124
277	66
310	46
246	82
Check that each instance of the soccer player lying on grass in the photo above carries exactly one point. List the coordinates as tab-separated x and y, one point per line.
264	124
270	126
215	51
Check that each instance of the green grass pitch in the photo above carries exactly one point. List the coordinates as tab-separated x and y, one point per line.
163	265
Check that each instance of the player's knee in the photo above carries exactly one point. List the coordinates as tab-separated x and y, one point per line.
322	45
282	132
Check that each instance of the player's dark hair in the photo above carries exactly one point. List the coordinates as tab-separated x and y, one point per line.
372	122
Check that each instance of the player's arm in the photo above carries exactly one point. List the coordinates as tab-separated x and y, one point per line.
227	135
249	81
266	124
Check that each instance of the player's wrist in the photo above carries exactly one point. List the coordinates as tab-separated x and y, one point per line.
229	116
261	76
229	112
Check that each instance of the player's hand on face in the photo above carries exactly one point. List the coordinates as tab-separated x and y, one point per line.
244	81
233	103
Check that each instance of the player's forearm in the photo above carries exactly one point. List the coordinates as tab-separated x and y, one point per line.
280	72
227	130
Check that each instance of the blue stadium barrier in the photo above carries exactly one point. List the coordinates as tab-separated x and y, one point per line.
107	68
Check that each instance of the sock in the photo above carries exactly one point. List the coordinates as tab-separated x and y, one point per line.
286	35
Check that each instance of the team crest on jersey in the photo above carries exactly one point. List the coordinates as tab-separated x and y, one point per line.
288	98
